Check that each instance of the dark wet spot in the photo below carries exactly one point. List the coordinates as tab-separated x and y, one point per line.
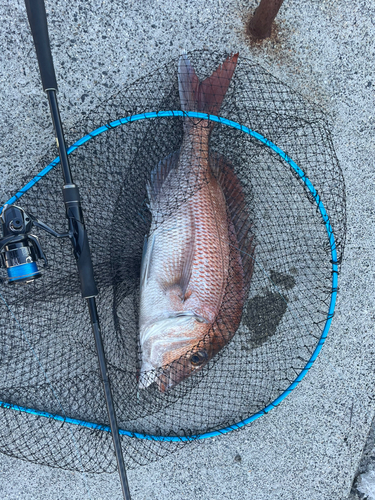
285	280
369	84
237	458
262	316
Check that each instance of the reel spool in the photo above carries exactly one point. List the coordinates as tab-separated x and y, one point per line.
19	249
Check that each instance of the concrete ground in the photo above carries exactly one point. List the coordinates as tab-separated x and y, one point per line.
311	445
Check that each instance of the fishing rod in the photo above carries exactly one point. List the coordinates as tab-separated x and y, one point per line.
20	250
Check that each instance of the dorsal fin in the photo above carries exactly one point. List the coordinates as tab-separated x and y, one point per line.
238	211
159	174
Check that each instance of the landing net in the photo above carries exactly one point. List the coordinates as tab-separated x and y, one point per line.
279	147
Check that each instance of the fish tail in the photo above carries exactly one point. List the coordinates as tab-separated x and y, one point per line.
206	96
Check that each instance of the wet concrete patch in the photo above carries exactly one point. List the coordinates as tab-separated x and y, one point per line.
262	317
264	312
285	280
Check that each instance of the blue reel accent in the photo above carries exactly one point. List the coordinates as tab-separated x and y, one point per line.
23	272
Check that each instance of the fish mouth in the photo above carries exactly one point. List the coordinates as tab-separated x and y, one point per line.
169	377
148	375
153	346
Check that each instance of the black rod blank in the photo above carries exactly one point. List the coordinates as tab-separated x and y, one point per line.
38	22
108	398
55	113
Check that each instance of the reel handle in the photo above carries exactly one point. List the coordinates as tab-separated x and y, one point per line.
36	13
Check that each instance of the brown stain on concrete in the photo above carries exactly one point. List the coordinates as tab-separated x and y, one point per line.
280	50
276	45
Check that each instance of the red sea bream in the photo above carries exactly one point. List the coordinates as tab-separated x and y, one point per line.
194	276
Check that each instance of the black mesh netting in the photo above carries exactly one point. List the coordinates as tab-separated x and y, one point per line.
48	360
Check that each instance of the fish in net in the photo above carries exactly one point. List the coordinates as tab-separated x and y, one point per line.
270	150
198	257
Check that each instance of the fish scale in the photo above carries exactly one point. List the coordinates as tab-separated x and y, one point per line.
211	260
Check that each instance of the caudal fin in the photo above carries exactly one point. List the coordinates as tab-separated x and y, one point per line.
206	96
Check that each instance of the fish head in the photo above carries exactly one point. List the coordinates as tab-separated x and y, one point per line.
173	349
193	360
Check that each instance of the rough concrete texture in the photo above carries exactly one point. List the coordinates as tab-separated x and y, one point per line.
310	446
364	483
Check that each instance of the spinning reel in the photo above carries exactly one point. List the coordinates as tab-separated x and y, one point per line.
19	249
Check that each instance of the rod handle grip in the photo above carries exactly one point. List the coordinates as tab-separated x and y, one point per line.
36	13
86	271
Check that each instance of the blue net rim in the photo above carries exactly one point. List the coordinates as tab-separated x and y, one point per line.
332	243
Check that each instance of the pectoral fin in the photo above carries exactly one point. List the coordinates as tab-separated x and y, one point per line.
179	266
187	266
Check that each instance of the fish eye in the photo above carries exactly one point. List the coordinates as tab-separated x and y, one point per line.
198	358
